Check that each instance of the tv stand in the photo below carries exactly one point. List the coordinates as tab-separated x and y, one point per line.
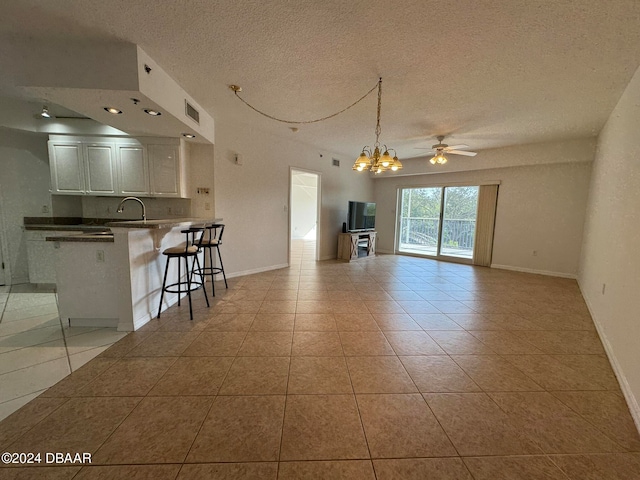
354	245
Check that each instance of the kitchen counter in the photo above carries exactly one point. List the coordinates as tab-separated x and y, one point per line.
116	280
66	228
105	236
164	223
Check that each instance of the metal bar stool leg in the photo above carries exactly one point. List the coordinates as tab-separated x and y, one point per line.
179	277
197	261
222	268
213	275
164	282
186	265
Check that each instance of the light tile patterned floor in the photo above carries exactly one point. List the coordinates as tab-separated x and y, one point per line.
389	367
37	349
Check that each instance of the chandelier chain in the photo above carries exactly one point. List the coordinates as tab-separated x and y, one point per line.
378	85
378	129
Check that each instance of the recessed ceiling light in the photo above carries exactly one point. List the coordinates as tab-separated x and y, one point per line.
45	112
113	110
153	113
188	135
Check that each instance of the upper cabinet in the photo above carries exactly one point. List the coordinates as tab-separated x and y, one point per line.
133	170
164	165
100	169
149	167
66	160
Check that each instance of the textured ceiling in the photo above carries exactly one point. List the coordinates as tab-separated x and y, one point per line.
488	74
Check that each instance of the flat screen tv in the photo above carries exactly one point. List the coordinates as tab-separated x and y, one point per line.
362	216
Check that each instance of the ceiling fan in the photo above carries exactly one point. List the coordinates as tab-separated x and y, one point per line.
439	149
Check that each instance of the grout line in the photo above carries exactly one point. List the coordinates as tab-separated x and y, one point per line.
64	338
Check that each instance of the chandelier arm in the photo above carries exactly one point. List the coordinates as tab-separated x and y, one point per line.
317	119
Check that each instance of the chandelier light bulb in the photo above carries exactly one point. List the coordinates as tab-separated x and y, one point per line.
432	160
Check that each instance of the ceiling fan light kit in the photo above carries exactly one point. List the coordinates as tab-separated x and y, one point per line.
370	159
440	149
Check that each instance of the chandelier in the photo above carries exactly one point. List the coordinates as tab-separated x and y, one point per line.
371	159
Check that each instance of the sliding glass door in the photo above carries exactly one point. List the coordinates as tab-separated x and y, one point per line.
438	222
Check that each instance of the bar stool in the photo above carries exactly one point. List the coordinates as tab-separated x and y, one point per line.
186	251
212	239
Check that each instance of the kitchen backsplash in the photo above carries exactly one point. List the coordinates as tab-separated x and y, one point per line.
105	207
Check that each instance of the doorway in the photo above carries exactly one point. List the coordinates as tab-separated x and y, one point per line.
304	216
438	222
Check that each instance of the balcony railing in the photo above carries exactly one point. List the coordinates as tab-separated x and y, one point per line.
421	233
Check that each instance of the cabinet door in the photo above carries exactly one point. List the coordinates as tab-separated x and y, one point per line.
165	170
41	255
67	167
133	177
100	169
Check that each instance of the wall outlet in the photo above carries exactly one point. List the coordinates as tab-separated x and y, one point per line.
169	210
207	206
100	255
534	253
45	209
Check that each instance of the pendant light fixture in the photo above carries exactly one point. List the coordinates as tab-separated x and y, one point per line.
45	112
371	159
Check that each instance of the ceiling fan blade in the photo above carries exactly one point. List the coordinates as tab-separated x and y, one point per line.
423	148
457	147
462	152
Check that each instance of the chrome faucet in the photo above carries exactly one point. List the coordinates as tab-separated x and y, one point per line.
121	206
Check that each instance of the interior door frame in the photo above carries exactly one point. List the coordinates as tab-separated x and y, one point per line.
438	256
292	171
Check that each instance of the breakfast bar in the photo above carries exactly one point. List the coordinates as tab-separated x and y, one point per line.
114	279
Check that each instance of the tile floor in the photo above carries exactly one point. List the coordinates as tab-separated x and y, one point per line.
37	349
389	367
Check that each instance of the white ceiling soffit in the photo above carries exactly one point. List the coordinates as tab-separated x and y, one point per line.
87	77
487	74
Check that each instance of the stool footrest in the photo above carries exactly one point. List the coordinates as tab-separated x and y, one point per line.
194	286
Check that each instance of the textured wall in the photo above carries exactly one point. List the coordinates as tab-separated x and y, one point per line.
253	198
612	235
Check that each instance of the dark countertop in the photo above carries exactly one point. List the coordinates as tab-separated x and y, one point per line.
83	237
164	223
67	228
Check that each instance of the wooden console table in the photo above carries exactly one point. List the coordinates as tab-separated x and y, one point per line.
353	245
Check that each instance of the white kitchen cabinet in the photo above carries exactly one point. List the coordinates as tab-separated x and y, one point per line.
164	166
117	166
66	160
79	168
41	255
100	169
133	170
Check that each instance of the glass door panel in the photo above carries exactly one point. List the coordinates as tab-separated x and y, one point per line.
459	221
420	220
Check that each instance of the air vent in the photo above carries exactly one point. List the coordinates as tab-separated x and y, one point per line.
191	112
335	162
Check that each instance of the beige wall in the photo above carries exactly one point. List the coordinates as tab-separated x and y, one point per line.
540	207
24	191
611	240
253	198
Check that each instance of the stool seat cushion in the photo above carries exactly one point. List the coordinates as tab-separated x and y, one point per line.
210	243
180	249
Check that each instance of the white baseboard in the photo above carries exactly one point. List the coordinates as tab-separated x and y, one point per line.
257	270
632	402
533	270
